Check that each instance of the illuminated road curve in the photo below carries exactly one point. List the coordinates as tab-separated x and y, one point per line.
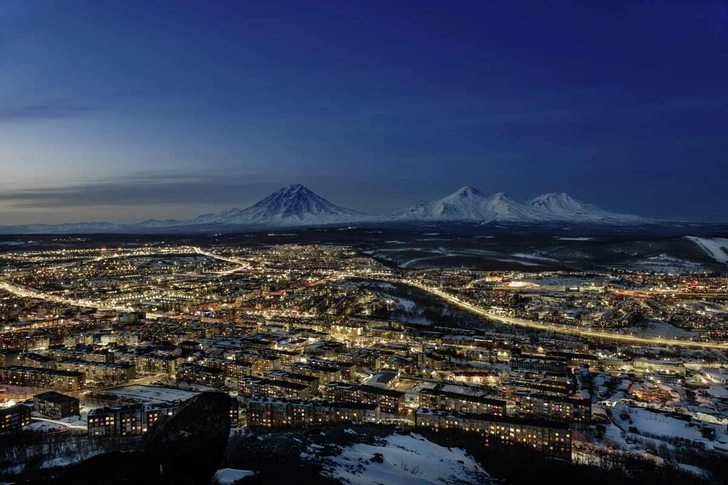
577	332
28	292
242	265
217	256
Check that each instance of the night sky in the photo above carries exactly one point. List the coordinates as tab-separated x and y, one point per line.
128	110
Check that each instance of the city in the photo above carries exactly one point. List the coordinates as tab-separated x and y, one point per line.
363	243
598	369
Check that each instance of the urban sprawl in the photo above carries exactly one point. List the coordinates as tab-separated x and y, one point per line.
583	367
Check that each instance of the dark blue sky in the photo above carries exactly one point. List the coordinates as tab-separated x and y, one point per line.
123	111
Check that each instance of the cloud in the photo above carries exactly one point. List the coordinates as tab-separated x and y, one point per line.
45	110
141	189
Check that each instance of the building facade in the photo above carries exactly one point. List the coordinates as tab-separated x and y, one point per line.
547	438
55	405
552	407
464	403
14	418
297	413
43	378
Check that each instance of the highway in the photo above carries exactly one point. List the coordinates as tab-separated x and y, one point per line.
217	256
561	329
242	265
28	292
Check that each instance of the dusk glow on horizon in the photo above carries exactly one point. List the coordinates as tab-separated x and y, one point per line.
171	109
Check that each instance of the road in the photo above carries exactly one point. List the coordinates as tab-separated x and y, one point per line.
217	256
561	329
28	292
61	423
24	291
242	265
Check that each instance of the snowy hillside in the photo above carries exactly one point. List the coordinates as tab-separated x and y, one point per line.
217	217
469	204
405	460
559	206
715	247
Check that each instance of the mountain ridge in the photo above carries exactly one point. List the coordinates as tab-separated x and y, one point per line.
297	206
562	206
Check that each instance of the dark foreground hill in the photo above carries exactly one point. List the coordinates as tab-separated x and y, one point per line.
184	449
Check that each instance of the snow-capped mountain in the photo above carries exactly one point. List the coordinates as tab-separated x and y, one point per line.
293	205
560	206
156	223
297	206
217	217
470	204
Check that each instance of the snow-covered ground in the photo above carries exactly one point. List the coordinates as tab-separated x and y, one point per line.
662	329
403	303
44	425
663	425
152	393
409	308
664	263
228	476
639	430
406	460
523	263
537	257
715	247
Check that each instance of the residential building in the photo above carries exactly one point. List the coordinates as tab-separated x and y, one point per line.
203	375
279	412
14	418
43	378
465	403
547	438
55	405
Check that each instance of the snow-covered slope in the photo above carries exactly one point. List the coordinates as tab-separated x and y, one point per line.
294	205
559	206
470	204
715	247
229	476
217	217
156	223
405	460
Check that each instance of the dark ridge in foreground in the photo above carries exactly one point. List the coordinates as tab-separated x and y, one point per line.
184	449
